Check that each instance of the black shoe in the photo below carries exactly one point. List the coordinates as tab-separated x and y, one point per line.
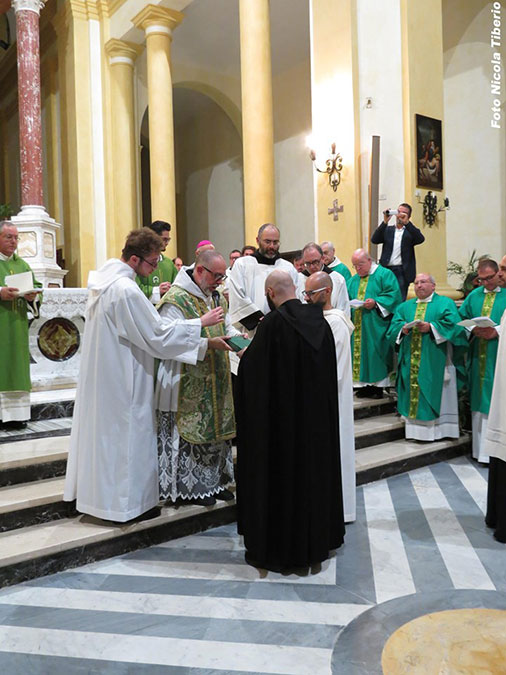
225	495
363	392
13	426
147	515
376	392
201	501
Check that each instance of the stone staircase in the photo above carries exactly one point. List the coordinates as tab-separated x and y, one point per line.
41	534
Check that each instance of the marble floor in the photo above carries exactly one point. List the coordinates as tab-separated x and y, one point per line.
192	605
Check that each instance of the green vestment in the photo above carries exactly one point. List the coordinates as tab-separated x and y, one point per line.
205	409
421	367
371	353
165	271
341	269
15	354
483	353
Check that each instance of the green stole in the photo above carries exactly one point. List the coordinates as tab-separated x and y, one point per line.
205	410
357	337
416	357
486	310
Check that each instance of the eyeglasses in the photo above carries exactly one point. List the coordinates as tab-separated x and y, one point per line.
309	294
312	263
148	262
216	275
485	279
10	237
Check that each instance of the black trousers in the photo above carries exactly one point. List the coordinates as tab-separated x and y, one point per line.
403	284
496	498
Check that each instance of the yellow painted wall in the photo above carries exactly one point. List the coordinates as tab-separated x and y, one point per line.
422	72
335	118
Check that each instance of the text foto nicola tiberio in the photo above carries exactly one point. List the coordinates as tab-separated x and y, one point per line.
496	79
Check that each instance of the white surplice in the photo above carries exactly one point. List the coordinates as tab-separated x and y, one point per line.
339	297
112	468
246	285
342	328
495	437
246	289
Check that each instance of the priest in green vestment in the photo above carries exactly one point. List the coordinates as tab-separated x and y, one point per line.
429	351
375	292
332	261
158	282
196	422
15	371
488	300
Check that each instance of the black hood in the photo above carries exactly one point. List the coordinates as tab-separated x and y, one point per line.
307	320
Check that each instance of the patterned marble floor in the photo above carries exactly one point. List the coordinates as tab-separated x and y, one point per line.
193	605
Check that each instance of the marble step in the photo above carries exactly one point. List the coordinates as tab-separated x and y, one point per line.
50	547
32	503
388	459
59	426
376	430
51	404
33	459
54	417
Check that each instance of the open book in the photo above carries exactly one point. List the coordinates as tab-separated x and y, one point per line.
479	321
23	282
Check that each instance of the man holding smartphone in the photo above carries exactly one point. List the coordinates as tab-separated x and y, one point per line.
399	239
196	422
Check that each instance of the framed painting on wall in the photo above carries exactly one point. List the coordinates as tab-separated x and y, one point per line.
429	154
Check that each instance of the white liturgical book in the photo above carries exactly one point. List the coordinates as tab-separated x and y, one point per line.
412	324
23	282
479	321
357	303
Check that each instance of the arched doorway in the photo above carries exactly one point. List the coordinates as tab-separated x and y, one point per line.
209	174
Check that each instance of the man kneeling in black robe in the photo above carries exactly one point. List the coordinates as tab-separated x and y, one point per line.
289	493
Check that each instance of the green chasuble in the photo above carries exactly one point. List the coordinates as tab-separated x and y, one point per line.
341	268
205	408
15	355
421	367
166	271
483	353
371	353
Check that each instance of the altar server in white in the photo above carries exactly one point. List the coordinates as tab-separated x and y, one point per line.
112	467
248	303
318	291
312	255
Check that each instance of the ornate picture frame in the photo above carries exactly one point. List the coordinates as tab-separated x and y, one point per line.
429	153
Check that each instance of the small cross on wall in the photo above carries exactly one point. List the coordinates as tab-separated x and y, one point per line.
336	210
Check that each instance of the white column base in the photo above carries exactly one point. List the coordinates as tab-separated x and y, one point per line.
37	244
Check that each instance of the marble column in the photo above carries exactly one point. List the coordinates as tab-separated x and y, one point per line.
122	57
158	24
37	229
257	120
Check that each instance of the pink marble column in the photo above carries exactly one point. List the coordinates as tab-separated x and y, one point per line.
30	126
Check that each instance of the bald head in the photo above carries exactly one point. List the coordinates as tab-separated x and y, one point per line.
318	290
361	261
279	288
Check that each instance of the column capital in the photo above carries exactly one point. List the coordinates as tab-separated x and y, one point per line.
29	5
120	51
153	19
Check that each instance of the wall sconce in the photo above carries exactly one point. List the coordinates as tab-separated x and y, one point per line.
430	209
333	166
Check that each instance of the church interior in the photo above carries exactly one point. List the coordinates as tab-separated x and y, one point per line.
218	116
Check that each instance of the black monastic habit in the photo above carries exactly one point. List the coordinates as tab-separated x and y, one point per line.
289	493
